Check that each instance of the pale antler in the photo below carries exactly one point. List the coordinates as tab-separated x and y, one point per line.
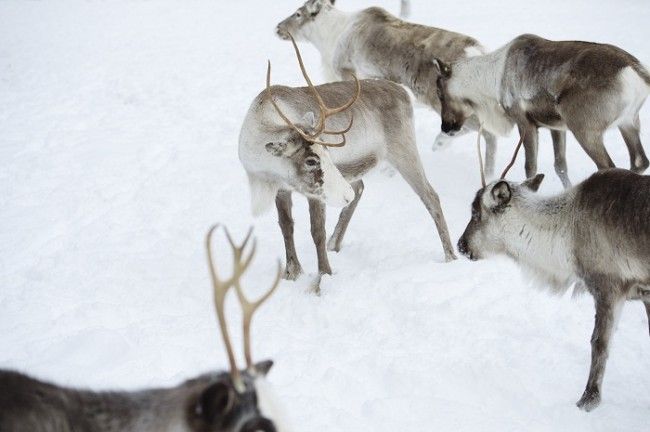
241	262
480	156
325	111
514	156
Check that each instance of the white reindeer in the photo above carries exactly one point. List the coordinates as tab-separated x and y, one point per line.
282	155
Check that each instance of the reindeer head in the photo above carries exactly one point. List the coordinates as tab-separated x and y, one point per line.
230	402
304	155
492	211
301	22
491	215
455	108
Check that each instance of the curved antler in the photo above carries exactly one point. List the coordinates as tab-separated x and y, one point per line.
514	156
241	262
325	111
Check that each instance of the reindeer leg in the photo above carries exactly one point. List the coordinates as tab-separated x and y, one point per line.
607	312
317	219
409	166
334	243
530	134
283	204
490	153
592	144
638	159
559	149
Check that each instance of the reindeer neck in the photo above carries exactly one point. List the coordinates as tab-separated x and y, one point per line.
539	238
481	78
326	34
159	410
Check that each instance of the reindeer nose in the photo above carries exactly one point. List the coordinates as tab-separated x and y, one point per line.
450	127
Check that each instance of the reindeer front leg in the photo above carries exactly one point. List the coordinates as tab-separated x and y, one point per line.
283	204
317	220
608	308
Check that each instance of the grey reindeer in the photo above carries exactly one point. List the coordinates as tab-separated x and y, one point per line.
594	236
234	401
375	44
532	82
281	155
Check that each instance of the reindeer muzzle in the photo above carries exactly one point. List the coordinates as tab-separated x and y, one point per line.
463	248
258	424
450	128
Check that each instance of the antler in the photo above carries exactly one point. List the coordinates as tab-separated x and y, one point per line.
249	308
241	262
480	156
325	111
514	156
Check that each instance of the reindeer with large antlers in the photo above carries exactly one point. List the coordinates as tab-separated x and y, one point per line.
594	236
232	401
284	147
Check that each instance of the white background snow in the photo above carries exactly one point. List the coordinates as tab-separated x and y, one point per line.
118	148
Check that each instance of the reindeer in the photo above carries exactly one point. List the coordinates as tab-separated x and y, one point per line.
574	238
282	155
533	82
231	401
374	44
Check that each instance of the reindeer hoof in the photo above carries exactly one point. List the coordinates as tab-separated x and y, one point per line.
333	245
450	256
293	271
589	400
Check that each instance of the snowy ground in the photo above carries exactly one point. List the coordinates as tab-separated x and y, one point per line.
118	148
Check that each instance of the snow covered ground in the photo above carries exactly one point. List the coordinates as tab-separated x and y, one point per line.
118	148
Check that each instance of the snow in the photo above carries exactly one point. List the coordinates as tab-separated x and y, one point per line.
118	149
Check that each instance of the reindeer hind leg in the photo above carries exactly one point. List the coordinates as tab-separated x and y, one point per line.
408	163
334	243
638	159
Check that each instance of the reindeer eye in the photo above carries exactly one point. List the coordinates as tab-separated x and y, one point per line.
298	14
311	162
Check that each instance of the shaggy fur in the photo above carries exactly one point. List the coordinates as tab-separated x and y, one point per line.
595	235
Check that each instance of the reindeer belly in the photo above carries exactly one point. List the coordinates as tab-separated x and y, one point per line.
542	111
357	168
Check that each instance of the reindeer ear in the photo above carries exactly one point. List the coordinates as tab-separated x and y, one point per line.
501	193
533	182
263	367
215	402
443	68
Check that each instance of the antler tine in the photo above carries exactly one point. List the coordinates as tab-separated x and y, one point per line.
249	308
277	108
514	156
480	156
324	109
220	290
239	265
